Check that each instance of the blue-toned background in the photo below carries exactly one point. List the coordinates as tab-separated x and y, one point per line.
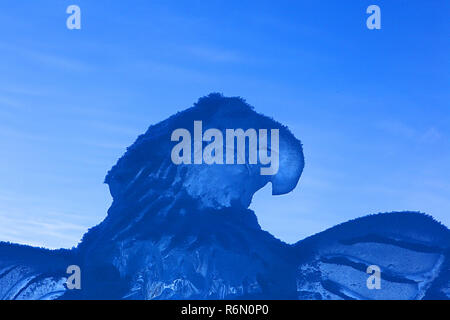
371	107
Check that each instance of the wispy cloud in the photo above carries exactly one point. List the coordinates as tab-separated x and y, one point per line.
114	128
403	130
397	128
58	62
166	71
43	231
214	55
7	101
47	59
23	90
105	144
22	134
431	135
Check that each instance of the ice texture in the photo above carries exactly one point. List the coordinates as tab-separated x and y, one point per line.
185	232
148	159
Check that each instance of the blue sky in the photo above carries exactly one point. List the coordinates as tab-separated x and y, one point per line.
370	106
